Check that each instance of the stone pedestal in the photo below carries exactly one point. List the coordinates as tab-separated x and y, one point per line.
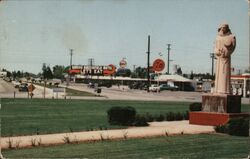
221	103
217	109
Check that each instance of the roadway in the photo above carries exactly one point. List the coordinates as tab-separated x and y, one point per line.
7	90
114	93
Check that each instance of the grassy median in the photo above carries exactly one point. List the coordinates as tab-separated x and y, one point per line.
44	116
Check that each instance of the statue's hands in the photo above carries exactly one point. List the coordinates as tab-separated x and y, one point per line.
225	52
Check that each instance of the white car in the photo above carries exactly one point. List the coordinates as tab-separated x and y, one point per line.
154	88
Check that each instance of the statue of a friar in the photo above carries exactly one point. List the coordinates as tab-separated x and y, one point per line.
224	46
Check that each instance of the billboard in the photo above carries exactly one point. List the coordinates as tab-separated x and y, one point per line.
95	70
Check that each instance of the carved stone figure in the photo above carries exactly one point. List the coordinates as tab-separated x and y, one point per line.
224	46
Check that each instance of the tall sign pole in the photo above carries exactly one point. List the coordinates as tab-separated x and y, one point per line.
148	52
168	56
70	62
71	54
213	57
1	156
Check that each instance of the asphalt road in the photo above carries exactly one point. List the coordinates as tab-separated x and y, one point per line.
114	93
7	90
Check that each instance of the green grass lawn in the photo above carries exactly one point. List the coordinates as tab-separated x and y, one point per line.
185	146
39	116
26	117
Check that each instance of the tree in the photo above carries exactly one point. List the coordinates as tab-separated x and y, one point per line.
179	71
141	72
47	73
19	74
123	72
14	74
27	75
247	70
58	71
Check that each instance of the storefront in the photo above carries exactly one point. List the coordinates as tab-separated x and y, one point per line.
241	84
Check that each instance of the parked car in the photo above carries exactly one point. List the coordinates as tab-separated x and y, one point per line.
168	87
16	84
91	85
154	88
23	87
105	84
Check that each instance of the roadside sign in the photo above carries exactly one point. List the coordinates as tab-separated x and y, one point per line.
31	88
158	65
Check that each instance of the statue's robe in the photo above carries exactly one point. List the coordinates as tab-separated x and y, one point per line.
224	47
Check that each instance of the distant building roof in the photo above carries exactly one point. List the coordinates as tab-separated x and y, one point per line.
176	78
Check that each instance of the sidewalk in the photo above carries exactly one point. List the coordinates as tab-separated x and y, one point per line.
155	129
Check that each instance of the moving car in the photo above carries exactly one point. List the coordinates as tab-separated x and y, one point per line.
23	87
154	88
168	87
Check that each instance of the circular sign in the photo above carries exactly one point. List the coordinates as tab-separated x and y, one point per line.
123	63
158	65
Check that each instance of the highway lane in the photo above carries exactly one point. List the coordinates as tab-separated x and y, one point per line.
6	87
7	90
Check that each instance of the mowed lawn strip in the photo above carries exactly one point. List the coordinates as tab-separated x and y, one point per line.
39	116
184	146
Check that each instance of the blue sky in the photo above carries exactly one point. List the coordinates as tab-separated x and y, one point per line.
34	32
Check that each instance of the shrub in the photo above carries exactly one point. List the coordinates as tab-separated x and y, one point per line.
121	115
140	121
237	127
186	115
221	129
170	116
195	106
159	117
178	116
149	117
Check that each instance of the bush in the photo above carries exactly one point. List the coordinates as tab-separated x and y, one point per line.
195	107
237	127
186	115
178	116
221	129
170	116
149	117
121	116
159	117
140	121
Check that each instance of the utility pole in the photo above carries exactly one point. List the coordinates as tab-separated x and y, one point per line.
168	56
70	62
71	54
91	63
44	80
213	57
148	52
1	156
